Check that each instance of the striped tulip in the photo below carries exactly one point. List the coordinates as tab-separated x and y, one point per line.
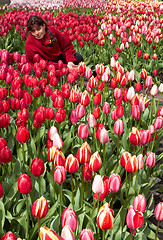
83	131
71	164
118	127
95	162
59	158
84	153
143	74
139	203
86	234
51	153
48	234
134	136
114	183
59	174
105	217
134	218
40	208
125	158
67	233
132	165
69	218
92	121
151	159
85	100
159	211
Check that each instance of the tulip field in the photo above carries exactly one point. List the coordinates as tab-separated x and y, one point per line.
79	148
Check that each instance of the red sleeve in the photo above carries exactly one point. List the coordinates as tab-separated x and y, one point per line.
66	45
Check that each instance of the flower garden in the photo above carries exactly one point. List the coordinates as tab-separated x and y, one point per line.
78	148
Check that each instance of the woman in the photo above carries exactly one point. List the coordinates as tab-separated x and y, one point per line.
49	43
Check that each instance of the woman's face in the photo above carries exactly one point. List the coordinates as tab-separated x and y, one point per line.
38	32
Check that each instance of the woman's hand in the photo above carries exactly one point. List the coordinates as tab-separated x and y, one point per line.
70	65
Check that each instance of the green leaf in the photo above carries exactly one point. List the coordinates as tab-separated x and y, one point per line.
2	216
67	143
33	147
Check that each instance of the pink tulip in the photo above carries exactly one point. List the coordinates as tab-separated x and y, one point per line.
159	211
154	90
67	233
130	93
112	62
131	76
117	92
135	111
114	183
134	218
73	117
92	121
158	124
151	159
83	131
140	160
52	130
97	185
57	141
145	136
88	72
102	135
139	203
106	108
80	111
161	88
59	174
118	127
148	82
69	218
105	77
113	115
86	234
151	129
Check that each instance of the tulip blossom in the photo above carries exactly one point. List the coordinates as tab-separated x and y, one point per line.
83	131
151	159
80	111
131	76
134	136
46	233
126	156
24	184
87	173
114	183
69	218
52	130
84	153
139	203
59	174
92	121
97	185
118	127
71	164
134	218
37	167
130	93
132	164
105	217
9	236
22	134
106	108
154	90
85	100
140	161
57	141
96	112
67	233
102	135
95	162
145	136
40	208
158	124
159	211
73	117
1	191
86	234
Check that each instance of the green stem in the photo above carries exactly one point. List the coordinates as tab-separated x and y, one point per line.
152	109
157	229
126	184
158	102
93	207
153	141
38	145
132	234
38	227
112	201
129	184
23	157
61	187
72	190
103	235
39	186
82	186
118	147
104	159
27	208
53	181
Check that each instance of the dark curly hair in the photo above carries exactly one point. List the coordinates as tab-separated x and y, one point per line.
36	20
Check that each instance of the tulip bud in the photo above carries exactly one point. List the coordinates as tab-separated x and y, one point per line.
59	174
97	185
105	217
40	208
130	93
57	141
106	108
22	134
140	161
80	111
138	86
37	167
113	115
139	203
60	115
69	218
73	117
134	136
151	159
95	162
125	158
159	211
96	112
119	111
132	164
85	100
84	153
71	164
83	131
102	135
114	183
24	184
158	124
118	127
86	234
87	173
97	99
154	90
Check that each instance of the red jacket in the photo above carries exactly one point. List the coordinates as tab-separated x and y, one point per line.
63	46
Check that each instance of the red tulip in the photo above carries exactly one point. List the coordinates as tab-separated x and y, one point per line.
138	86
134	136
97	99
9	236
139	203
92	121
37	167
119	111
1	191
22	134
145	136
93	82
5	155
159	211
105	217
134	218
71	164
24	184
59	174
60	115
3	143
125	158
95	162
96	112
69	218
84	153
73	117
49	113
132	164
4	120
74	97
87	173
86	234
85	100
143	74
102	135
40	208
